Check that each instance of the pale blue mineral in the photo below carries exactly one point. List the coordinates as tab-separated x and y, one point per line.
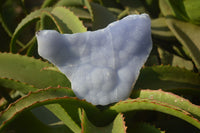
102	65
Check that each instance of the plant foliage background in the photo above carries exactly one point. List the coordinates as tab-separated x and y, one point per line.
36	97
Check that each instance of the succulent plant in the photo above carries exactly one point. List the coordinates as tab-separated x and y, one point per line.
35	95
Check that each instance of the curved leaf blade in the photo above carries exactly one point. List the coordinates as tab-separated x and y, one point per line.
172	8
101	16
192	7
46	21
76	3
133	7
62	28
117	126
171	99
32	17
51	98
30	101
64	116
31	71
81	13
17	85
25	123
48	3
160	29
64	19
148	104
69	19
188	35
70	3
167	77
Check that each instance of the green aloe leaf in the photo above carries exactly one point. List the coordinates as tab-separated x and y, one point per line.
169	98
180	62
165	8
135	6
32	50
50	21
64	20
120	13
69	19
149	104
25	122
32	17
81	12
75	3
47	22
101	16
30	101
48	3
89	7
77	6
68	110
165	57
117	126
187	10
28	45
17	85
167	77
65	116
59	100
174	8
171	58
31	71
160	29
188	35
192	8
70	3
